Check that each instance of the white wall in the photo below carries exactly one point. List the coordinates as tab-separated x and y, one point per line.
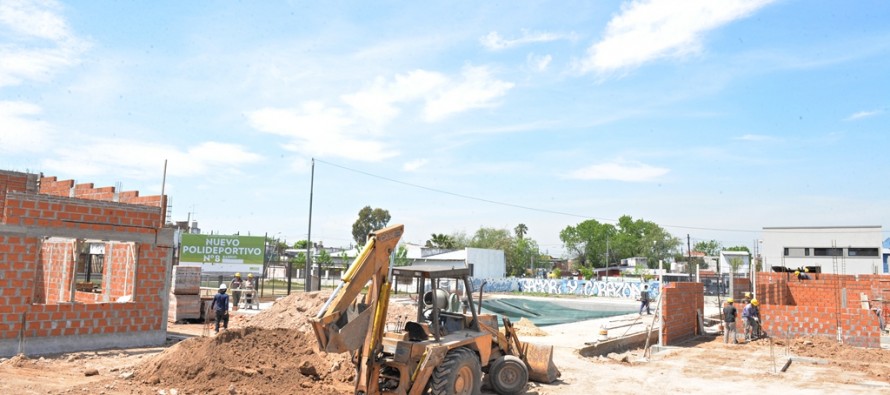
726	256
487	263
776	239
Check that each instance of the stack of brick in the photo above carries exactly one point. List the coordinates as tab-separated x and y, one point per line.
185	298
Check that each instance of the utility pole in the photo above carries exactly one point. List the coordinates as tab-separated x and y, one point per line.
307	286
689	253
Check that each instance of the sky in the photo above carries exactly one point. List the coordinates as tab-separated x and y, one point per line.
711	118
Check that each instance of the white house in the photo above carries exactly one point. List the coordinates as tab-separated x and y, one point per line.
483	263
726	260
833	249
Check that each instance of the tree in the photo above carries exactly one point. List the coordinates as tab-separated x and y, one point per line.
368	220
588	241
710	247
643	238
401	258
496	239
735	263
520	230
439	240
301	244
324	259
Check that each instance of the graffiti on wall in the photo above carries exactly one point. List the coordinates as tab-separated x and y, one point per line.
610	289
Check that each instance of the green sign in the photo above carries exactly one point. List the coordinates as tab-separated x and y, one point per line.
222	249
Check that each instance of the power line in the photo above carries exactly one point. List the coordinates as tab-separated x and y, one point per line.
548	211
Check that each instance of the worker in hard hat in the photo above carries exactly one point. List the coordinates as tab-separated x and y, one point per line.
729	324
236	286
220	306
249	292
751	318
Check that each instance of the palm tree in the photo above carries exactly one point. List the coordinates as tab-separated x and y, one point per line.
440	240
520	230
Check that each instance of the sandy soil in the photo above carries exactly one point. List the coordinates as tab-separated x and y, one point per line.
272	352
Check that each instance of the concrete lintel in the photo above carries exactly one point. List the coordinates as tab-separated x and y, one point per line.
619	344
163	237
66	344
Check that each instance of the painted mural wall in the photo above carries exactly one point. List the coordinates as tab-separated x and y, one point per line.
612	289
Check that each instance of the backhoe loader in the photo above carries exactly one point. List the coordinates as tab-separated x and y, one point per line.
442	352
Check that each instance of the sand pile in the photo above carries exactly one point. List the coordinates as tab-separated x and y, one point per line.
250	361
295	310
527	328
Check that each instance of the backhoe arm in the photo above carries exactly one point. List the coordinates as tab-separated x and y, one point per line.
342	325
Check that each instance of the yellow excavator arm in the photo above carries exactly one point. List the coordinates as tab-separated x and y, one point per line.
342	323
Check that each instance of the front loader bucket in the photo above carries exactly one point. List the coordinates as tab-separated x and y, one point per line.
539	359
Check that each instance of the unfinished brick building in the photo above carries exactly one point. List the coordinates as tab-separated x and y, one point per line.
832	306
81	268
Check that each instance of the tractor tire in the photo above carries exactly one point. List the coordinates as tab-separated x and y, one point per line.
508	375
459	374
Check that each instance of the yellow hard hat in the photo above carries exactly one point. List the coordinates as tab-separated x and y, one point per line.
755	302
797	272
249	275
237	274
730	300
806	269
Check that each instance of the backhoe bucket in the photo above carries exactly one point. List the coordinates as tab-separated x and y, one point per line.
539	359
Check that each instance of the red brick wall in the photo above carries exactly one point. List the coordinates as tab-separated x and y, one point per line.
35	272
819	306
680	304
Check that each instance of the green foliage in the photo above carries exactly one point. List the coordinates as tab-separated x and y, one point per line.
586	272
557	273
369	220
439	240
324	259
301	245
597	244
735	263
401	257
739	248
520	230
710	247
299	261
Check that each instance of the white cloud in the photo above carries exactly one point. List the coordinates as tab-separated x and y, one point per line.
378	102
619	171
20	133
538	63
863	114
651	29
317	130
477	90
755	137
143	160
414	165
38	42
494	41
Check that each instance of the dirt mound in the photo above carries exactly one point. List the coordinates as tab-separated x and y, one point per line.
295	310
249	361
524	327
872	361
292	311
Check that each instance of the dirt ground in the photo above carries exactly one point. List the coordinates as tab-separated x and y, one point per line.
275	352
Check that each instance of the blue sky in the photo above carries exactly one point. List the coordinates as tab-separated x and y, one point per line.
710	118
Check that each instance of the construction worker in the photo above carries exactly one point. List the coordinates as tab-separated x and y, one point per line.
235	285
751	319
729	325
644	299
220	306
248	288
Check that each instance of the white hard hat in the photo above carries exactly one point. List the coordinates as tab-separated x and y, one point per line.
222	286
